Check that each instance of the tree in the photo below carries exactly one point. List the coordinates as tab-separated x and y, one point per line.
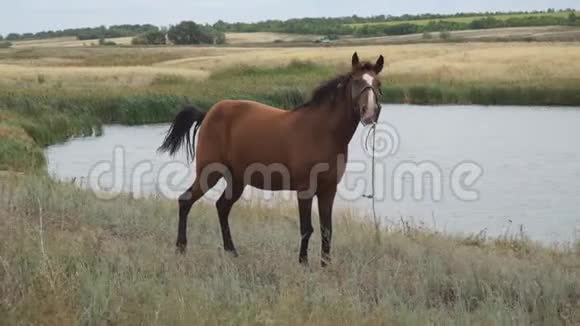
150	38
188	32
12	37
572	18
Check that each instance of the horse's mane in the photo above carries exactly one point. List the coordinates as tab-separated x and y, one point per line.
328	90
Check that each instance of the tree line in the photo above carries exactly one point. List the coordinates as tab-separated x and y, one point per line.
371	26
189	32
480	23
186	32
86	33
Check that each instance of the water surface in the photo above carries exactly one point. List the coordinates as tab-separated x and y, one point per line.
529	158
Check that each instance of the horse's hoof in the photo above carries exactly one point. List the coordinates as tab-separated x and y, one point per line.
232	252
180	248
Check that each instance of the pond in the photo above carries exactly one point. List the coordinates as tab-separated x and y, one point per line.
456	169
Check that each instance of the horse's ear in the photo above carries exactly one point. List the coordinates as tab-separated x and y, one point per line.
379	65
355	60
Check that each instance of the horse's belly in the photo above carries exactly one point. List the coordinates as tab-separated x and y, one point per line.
278	177
271	178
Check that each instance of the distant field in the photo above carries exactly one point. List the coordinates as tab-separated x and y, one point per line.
231	38
255	40
507	34
245	38
464	19
504	63
67	42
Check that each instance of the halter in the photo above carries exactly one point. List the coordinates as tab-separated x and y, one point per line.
378	94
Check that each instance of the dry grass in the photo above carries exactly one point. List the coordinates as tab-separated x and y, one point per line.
68	258
67	42
265	37
91	77
232	38
521	64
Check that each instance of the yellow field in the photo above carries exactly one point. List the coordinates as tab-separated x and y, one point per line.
231	38
244	38
67	42
507	63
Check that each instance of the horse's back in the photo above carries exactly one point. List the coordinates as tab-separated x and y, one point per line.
238	133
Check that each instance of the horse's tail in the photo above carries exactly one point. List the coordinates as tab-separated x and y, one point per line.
180	130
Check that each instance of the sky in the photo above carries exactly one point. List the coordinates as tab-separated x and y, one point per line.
21	16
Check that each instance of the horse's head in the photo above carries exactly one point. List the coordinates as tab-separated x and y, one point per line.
365	89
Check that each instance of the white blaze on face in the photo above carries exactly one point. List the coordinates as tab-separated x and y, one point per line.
370	96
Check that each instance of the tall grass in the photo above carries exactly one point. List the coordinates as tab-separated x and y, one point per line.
68	258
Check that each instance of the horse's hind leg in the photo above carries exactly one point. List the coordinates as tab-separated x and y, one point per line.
224	205
305	212
325	202
186	200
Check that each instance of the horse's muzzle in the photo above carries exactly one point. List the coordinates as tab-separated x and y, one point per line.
368	118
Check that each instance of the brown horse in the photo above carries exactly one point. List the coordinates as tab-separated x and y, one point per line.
303	150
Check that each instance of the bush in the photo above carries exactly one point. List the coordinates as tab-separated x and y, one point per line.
188	32
445	35
5	45
487	22
104	42
150	38
427	36
401	29
572	19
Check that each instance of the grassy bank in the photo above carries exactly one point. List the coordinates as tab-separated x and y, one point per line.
68	258
49	94
32	119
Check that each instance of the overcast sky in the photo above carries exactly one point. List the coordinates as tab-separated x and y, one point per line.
37	15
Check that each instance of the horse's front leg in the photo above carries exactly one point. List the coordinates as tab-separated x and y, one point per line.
305	211
325	202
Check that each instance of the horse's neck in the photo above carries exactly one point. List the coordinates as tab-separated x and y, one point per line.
346	122
339	121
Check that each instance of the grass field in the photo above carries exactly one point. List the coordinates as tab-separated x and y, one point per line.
67	258
552	34
231	38
502	63
466	20
265	37
67	42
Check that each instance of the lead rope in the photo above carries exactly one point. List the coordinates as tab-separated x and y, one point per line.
378	94
372	195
